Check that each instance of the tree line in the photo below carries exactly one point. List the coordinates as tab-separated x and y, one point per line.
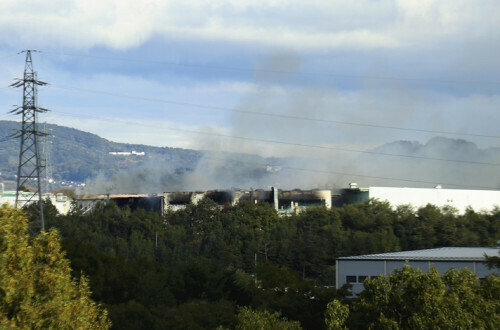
201	266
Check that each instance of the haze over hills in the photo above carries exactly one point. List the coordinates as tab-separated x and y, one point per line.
79	156
75	155
451	162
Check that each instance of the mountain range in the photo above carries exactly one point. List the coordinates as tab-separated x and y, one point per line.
106	166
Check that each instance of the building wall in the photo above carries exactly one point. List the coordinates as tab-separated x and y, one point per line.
283	201
350	196
61	202
357	270
418	197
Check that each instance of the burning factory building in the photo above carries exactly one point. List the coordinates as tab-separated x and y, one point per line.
285	202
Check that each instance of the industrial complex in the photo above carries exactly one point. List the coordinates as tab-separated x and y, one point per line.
286	202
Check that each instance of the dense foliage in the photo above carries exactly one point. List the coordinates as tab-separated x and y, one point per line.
196	267
36	287
409	299
249	319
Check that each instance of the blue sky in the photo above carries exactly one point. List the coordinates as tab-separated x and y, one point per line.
157	72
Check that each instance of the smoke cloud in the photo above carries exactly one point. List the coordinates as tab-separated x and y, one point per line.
322	152
426	165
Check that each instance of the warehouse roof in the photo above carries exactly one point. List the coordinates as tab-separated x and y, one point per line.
444	253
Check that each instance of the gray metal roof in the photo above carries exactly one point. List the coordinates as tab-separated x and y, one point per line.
445	253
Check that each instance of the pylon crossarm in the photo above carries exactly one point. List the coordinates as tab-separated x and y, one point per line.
17	83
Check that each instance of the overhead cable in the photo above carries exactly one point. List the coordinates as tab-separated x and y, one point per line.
302	145
331	74
257	113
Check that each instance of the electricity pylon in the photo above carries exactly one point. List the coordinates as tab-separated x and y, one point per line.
30	163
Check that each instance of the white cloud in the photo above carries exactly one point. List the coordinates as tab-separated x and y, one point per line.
326	25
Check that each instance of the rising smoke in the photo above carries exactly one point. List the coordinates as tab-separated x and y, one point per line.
424	167
238	163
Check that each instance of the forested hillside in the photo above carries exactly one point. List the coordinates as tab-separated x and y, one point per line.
78	156
195	267
75	155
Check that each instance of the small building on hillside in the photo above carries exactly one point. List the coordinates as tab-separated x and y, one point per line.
354	270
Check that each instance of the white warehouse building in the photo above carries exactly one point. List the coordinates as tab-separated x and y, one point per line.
354	270
460	199
60	201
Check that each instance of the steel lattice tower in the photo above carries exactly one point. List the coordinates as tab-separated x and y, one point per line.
30	163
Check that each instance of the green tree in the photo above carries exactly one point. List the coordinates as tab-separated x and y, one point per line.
336	315
411	298
249	319
36	287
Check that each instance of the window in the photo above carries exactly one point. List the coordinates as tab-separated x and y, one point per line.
362	278
350	279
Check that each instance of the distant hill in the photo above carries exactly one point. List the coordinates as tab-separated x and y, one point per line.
441	147
472	166
79	156
75	155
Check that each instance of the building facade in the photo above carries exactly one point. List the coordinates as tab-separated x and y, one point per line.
285	202
460	199
60	201
354	270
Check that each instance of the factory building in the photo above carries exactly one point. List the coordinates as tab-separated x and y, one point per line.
354	270
148	202
284	202
287	202
460	199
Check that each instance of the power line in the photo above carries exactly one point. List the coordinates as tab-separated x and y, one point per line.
302	169
6	139
201	66
257	113
302	145
5	57
294	117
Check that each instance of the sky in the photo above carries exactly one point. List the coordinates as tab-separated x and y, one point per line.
275	77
